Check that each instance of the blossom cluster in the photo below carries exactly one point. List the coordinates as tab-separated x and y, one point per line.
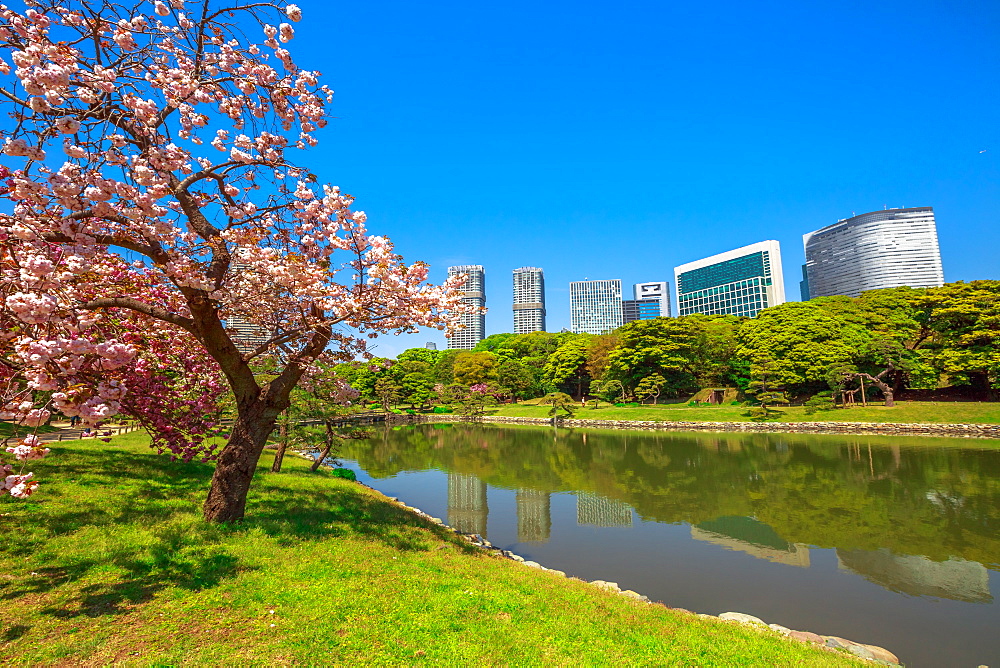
28	448
21	485
157	218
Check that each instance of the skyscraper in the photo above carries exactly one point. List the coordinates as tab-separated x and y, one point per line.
656	290
881	249
804	285
595	307
247	336
739	282
652	300
529	300
474	324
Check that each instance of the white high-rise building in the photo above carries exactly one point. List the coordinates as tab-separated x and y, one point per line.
738	282
474	292
529	300
881	249
655	290
247	336
595	307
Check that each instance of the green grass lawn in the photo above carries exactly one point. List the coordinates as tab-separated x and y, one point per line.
109	563
9	429
905	411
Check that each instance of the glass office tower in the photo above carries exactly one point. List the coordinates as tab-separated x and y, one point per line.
595	307
652	300
739	282
881	249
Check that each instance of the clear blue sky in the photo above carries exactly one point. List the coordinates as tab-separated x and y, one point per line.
618	140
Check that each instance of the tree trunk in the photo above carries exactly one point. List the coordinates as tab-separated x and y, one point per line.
887	391
882	385
326	451
279	455
227	497
980	383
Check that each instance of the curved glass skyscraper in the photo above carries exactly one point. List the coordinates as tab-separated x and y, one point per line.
881	249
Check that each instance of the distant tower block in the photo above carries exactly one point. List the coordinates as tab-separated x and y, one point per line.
467	508
430	345
529	300
601	512
534	518
473	293
247	336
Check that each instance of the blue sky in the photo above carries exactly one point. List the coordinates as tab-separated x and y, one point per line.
618	140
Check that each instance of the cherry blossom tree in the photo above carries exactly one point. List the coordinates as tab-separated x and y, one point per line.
154	204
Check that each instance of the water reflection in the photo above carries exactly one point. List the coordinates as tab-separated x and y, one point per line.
956	579
467	507
745	534
601	512
534	516
767	496
885	540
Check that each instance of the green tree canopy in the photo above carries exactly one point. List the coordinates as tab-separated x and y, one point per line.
663	346
797	343
471	367
566	367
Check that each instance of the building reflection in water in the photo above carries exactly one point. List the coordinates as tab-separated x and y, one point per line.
956	579
602	512
745	534
534	518
467	509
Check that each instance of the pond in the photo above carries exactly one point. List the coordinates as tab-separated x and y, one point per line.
883	540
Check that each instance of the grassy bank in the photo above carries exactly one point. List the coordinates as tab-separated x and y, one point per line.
110	563
937	412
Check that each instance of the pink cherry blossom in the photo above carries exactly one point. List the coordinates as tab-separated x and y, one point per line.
164	131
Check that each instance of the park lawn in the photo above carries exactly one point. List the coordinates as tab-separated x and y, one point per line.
110	563
905	411
9	429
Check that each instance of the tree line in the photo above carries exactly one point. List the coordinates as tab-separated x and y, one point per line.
891	340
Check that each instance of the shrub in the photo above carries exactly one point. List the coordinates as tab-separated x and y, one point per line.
344	473
762	414
442	409
821	401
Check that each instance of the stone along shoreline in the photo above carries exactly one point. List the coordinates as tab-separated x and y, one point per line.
960	430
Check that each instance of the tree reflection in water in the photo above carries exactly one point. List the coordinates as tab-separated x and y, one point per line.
915	515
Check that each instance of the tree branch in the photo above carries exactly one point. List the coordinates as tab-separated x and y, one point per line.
140	307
